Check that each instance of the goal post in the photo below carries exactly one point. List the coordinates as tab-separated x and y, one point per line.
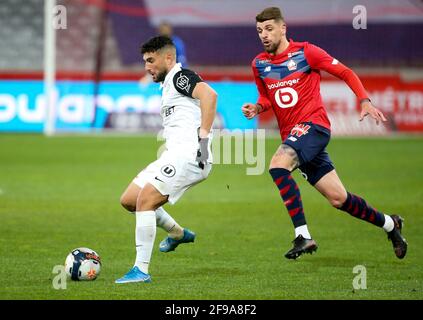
49	67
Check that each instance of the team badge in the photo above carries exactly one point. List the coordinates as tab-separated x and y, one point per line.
292	65
168	171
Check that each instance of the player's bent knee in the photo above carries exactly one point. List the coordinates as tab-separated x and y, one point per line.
285	157
146	204
127	204
337	200
150	199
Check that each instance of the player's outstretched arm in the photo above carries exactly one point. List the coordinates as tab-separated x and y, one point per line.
367	108
321	60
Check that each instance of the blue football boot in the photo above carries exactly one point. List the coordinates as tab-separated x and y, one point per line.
134	275
170	244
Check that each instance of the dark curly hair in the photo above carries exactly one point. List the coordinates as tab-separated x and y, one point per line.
156	44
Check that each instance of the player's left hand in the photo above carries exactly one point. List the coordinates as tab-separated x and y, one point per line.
368	109
202	152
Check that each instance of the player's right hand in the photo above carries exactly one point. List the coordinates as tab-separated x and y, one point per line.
250	110
202	152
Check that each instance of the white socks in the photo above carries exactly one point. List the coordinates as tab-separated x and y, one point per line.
303	230
145	234
389	224
166	222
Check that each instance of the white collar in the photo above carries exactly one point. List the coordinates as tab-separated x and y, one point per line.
177	67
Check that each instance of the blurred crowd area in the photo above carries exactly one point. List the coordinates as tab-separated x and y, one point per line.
219	36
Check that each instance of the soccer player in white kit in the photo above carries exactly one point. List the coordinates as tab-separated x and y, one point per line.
188	109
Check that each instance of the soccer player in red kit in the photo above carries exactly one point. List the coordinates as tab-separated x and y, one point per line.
287	76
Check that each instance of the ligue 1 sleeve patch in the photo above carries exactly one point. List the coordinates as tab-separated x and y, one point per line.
182	82
185	81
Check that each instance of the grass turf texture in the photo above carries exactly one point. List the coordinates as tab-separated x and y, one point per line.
60	193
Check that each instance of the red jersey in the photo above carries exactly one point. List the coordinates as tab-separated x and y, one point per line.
290	84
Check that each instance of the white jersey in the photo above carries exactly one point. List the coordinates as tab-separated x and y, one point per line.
177	169
181	113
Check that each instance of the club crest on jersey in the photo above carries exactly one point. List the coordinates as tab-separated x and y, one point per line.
300	130
183	83
292	65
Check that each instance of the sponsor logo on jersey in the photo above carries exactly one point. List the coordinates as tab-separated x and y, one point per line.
168	111
292	65
283	83
183	83
300	130
286	97
267	69
291	54
263	61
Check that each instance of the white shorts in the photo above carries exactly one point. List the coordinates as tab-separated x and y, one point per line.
172	175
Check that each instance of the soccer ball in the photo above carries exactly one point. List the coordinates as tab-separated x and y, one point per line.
83	264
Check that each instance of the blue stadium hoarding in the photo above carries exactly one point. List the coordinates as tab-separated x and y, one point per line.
22	104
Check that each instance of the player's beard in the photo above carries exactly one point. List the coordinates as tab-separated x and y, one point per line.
161	76
272	48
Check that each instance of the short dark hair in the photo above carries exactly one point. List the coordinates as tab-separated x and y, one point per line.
156	44
269	14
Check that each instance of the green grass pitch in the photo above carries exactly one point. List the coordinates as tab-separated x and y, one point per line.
60	193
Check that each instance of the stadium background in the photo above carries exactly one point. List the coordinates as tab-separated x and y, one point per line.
60	192
98	55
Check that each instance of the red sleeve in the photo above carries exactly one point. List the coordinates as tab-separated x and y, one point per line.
319	59
263	99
